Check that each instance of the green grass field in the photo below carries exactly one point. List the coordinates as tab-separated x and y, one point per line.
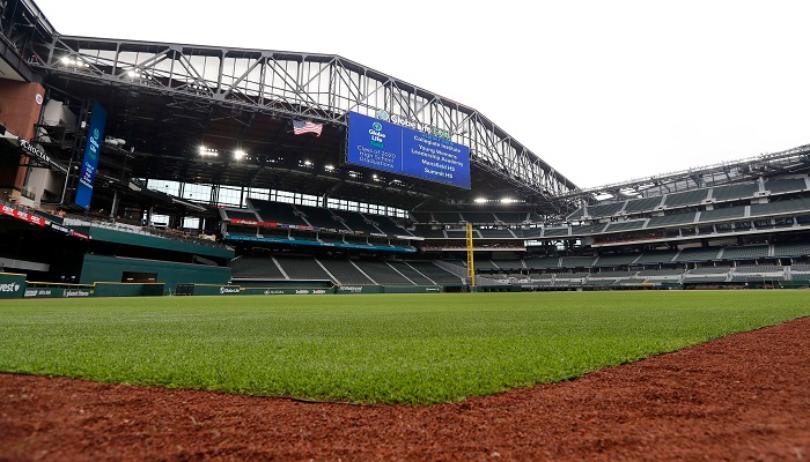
422	348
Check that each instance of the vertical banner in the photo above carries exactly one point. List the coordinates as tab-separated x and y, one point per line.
92	149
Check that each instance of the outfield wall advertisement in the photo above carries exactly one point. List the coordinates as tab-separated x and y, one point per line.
381	145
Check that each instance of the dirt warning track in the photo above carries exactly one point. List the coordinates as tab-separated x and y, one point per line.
746	396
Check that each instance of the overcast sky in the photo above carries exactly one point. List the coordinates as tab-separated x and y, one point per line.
603	91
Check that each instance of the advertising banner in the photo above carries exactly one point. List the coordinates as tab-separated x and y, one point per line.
92	150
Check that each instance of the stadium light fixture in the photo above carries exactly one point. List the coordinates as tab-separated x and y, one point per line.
207	152
73	62
507	200
308	163
329	167
239	154
480	200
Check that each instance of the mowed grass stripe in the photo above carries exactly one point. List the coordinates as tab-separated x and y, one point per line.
419	348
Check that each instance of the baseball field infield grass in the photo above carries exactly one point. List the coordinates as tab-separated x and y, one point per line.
417	349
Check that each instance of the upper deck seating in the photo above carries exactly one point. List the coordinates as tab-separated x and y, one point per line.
321	218
734	191
278	212
355	222
605	210
643	205
447	217
686	198
698	254
478	217
745	253
511	217
674	219
783	185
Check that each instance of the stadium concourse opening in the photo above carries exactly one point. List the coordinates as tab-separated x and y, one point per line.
158	168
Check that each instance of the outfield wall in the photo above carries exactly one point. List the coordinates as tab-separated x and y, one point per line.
15	286
101	268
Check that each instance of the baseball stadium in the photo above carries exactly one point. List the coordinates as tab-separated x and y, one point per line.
247	254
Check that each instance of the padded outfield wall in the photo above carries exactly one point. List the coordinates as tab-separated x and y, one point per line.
100	268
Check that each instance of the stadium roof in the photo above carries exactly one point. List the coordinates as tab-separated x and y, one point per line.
788	161
167	98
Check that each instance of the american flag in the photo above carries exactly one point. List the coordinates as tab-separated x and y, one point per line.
301	127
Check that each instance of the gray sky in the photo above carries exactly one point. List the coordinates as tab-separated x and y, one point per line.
603	91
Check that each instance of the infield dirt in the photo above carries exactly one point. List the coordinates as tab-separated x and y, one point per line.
746	396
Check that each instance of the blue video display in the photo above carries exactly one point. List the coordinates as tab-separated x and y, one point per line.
392	148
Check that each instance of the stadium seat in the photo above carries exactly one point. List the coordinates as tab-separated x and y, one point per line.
669	220
447	217
344	272
734	191
436	274
355	222
556	232
575	215
697	254
512	217
686	198
745	253
542	262
783	185
430	233
277	212
478	217
780	206
625	226
257	267
605	210
422	217
302	268
725	213
615	260
759	269
791	250
382	273
708	270
588	229
509	265
496	233
643	205
322	218
661	273
655	257
388	225
409	272
576	262
246	214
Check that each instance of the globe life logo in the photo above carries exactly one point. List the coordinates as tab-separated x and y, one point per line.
377	136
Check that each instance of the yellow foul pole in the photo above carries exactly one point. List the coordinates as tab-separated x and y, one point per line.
470	256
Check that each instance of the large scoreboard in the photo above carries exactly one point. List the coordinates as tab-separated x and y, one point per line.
381	145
